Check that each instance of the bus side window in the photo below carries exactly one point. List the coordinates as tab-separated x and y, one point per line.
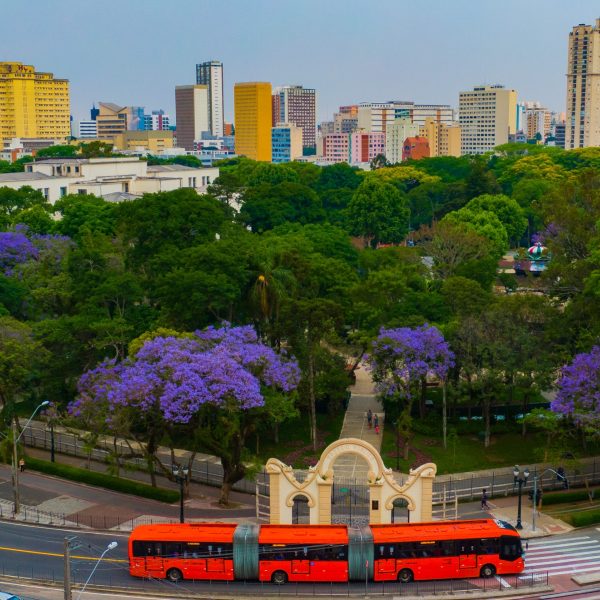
447	548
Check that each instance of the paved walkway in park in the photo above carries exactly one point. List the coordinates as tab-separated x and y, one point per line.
356	424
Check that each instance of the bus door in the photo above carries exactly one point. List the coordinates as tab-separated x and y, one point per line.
154	566
385	559
301	564
467	554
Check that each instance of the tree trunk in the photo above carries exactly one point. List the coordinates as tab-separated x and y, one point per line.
524	411
486	416
312	398
232	473
444	416
422	398
406	448
276	432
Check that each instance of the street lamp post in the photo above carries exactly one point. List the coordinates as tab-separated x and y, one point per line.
111	546
180	474
521	476
535	498
15	459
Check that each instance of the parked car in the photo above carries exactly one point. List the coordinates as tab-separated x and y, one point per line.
8	596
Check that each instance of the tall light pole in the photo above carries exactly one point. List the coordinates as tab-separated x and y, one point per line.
111	546
15	461
180	474
521	476
535	498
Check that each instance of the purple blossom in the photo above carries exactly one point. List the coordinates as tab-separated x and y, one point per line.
223	367
401	357
15	248
578	393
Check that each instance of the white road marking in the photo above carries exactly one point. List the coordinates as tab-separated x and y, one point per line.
503	582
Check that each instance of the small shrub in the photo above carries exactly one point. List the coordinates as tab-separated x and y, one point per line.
565	497
582	519
127	486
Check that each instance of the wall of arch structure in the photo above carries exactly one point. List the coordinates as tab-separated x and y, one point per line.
317	487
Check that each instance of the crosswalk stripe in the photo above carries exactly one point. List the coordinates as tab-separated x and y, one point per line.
529	560
552	568
568	551
569	545
570	572
562	560
502	582
553	541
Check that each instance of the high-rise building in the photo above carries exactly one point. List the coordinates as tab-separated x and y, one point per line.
376	116
210	74
94	112
583	87
112	119
444	140
395	135
487	115
536	120
297	105
286	142
365	146
191	109
33	104
334	147
157	121
253	120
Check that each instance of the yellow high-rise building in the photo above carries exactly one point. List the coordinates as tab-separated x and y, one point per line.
33	105
253	120
444	140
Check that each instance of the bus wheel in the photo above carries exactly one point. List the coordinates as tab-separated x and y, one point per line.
279	577
174	575
487	571
405	576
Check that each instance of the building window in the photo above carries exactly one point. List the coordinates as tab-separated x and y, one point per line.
63	191
82	191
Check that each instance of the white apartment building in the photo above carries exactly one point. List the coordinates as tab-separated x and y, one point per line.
487	116
87	129
396	133
210	74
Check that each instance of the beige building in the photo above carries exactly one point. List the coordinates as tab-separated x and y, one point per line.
154	142
583	87
444	140
395	134
113	120
192	114
32	104
487	116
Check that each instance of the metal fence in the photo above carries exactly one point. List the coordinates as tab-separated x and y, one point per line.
500	482
119	581
209	472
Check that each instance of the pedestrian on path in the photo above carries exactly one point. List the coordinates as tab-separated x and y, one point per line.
370	418
22	465
376	421
484	499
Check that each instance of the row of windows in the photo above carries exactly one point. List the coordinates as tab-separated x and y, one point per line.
509	548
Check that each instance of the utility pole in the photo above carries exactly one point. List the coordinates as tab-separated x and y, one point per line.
15	469
67	568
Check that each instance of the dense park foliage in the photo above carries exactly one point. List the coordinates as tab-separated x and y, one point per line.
281	277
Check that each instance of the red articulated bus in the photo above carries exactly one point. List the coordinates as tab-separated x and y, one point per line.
326	553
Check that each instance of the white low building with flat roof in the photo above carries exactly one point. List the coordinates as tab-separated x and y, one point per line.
57	177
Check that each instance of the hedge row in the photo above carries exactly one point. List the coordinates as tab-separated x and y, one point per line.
564	497
116	484
584	518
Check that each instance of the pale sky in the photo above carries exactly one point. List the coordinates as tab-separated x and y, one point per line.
134	52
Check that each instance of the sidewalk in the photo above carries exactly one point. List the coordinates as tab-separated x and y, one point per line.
355	424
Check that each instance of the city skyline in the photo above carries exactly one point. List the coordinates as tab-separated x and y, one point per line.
346	59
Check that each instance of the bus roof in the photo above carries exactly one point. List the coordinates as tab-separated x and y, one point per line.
303	534
185	532
441	530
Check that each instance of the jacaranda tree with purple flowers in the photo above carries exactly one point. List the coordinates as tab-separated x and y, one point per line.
400	361
578	395
211	385
15	248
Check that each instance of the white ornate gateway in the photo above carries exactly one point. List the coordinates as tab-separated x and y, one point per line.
317	488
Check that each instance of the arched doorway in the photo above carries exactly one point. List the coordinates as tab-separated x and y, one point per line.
350	490
300	511
400	512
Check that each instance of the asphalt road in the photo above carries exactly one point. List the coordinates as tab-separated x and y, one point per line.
36	552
